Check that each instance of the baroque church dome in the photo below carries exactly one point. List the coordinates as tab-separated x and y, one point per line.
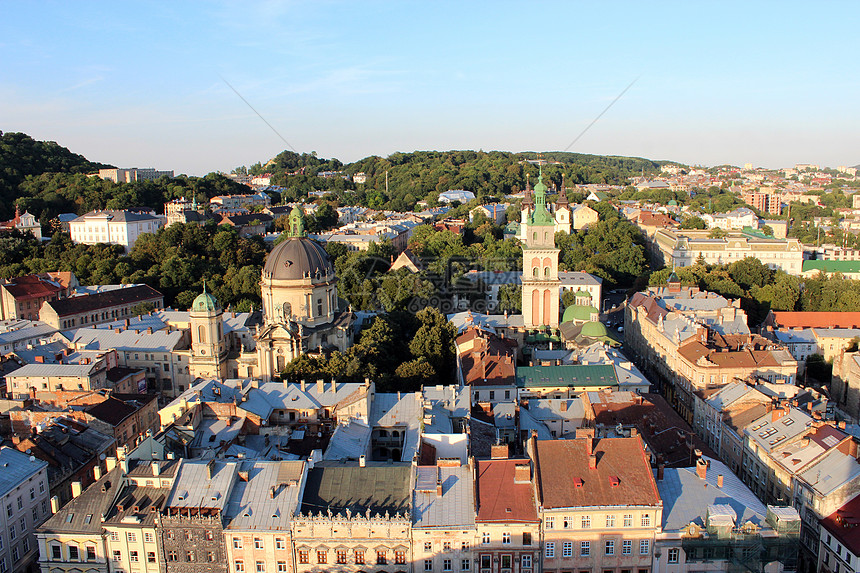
298	257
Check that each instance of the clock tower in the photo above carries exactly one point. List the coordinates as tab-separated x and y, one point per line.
541	285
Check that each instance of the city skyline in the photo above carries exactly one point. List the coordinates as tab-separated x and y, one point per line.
146	84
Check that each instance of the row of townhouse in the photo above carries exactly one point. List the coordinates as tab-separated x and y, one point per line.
692	340
584	504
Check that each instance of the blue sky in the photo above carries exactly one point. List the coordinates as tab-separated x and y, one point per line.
139	84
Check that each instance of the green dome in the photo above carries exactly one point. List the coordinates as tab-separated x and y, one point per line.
673	203
581	292
594	329
579	312
204	302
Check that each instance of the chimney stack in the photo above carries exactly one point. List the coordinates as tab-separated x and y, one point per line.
592	459
110	463
303	385
702	468
522	473
97	473
362	461
499	452
438	488
720	480
333	386
76	489
661	467
156	468
320	386
55	504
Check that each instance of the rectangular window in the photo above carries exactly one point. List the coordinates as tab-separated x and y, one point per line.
132	537
486	562
381	558
117	556
341	556
644	546
507	561
428	565
359	557
550	522
56	552
322	556
150	556
189	555
584	548
237	543
646	520
465	564
258	543
586	521
506	538
485	538
148	537
132	556
239	566
610	521
446	546
549	550
12	532
446	565
527	538
526	562
279	543
626	547
304	556
428	546
674	554
628	520
261	567
567	549
609	548
91	553
73	552
282	567
400	557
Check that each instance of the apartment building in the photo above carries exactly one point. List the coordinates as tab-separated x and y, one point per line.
683	248
598	502
23	297
133	174
114	227
443	517
98	308
258	517
24	497
508	524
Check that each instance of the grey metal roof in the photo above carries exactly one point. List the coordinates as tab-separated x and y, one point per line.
127	340
833	469
14	330
54	370
686	497
16	467
454	508
349	441
269	496
203	484
769	433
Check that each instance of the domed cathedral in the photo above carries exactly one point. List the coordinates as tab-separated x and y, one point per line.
209	348
540	283
300	304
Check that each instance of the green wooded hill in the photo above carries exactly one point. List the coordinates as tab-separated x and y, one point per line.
425	174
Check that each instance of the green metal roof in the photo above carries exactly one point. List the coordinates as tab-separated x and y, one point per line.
832	266
566	375
580	312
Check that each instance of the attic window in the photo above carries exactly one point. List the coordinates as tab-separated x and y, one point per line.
614	481
88	518
577	482
70	517
787	422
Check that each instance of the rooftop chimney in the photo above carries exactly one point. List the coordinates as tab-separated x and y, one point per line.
362	461
522	473
97	473
320	386
661	467
592	458
303	385
110	463
156	468
55	504
720	480
76	489
702	468
499	452
438	488
333	386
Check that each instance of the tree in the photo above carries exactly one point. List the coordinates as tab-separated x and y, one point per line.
434	341
693	223
750	272
510	298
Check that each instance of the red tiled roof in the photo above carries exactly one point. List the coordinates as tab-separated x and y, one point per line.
31	286
843	523
788	319
622	475
499	498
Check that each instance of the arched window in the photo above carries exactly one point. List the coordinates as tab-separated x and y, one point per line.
546	272
545	236
534	236
535	272
201	333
